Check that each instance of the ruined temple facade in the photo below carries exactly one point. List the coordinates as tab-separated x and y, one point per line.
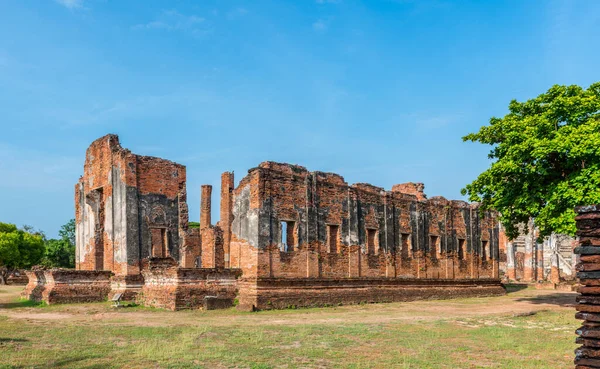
129	208
286	236
549	261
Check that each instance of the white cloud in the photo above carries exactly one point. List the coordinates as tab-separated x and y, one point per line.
172	20
329	1
71	4
320	26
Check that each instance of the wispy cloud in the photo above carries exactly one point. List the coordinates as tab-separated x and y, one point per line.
328	1
71	4
320	26
236	13
172	20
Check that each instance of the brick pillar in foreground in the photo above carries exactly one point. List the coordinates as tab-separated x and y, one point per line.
587	356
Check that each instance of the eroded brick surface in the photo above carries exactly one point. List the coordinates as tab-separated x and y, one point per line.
170	287
340	231
295	235
588	301
59	286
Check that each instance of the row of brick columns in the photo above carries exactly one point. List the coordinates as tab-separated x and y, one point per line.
533	268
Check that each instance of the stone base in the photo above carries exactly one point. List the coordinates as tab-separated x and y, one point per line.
277	293
168	286
58	286
129	286
562	286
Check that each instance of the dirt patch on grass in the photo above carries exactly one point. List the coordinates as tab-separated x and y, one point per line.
523	302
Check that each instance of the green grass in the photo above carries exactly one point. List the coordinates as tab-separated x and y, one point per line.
229	339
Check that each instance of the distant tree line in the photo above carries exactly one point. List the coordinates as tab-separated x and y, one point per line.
22	248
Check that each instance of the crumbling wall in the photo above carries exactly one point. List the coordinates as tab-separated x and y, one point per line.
298	224
528	259
59	286
168	286
129	208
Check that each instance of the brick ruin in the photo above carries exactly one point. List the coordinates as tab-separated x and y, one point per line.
286	237
549	262
587	356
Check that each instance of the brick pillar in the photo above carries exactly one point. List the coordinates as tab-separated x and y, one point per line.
205	206
226	213
587	356
511	272
529	242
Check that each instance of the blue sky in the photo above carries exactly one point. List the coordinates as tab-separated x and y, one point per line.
377	91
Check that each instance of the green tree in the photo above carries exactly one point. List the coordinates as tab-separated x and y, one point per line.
546	154
60	253
18	249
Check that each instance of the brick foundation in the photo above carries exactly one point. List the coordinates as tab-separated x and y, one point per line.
281	293
168	286
59	286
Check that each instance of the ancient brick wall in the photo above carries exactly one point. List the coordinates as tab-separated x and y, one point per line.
59	286
289	223
168	286
528	259
313	224
282	293
128	208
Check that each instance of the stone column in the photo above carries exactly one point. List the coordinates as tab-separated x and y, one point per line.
529	241
554	267
511	273
539	273
587	356
205	206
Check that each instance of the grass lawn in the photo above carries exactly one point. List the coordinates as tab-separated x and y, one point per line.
525	329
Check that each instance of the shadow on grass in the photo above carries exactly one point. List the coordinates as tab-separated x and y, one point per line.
64	363
515	287
21	304
560	299
4	340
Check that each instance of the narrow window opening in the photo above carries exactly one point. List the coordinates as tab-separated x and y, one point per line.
287	242
372	241
332	238
284	236
405	251
461	249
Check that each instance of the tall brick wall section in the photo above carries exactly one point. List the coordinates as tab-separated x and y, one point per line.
129	208
378	233
587	356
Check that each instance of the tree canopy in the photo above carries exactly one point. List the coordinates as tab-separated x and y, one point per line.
19	249
61	252
546	154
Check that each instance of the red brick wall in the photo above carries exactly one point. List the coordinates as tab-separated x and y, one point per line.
280	192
